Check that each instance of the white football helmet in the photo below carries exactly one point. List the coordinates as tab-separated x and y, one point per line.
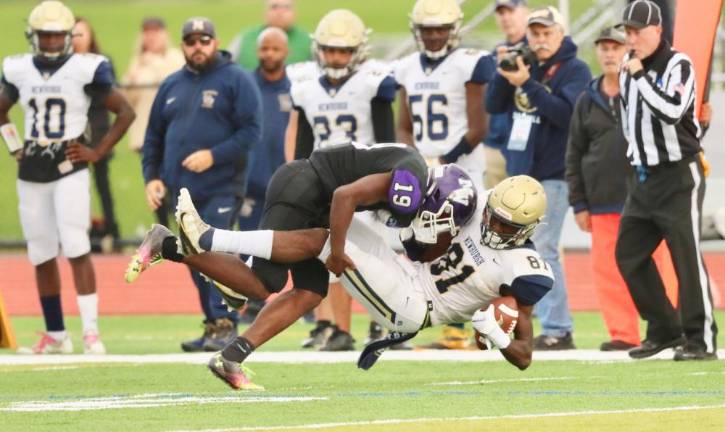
50	17
513	210
341	28
437	13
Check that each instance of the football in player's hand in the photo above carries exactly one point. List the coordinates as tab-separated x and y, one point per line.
506	312
435	251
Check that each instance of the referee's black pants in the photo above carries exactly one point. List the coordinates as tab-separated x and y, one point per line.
666	203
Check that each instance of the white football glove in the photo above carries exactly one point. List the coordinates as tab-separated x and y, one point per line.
486	324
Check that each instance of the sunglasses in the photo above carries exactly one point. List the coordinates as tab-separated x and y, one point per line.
204	40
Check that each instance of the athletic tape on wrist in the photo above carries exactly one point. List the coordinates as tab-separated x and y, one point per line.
11	137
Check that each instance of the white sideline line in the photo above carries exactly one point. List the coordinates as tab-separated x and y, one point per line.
294	357
144	401
450	419
499	381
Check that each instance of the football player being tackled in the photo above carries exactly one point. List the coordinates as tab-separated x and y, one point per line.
489	256
322	191
442	112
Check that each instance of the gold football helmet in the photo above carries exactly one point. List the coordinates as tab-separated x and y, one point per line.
437	13
341	28
513	210
50	17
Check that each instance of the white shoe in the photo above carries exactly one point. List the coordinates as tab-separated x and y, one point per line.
92	343
191	226
48	345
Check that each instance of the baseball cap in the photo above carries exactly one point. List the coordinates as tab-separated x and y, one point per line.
198	25
152	23
511	4
610	34
546	16
640	14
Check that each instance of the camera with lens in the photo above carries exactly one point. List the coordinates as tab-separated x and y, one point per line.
508	60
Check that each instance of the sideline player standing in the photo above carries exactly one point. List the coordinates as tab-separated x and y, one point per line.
442	111
54	87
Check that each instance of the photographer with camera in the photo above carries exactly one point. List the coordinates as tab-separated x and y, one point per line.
511	20
539	94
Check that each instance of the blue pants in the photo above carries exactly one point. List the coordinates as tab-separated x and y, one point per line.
553	308
219	212
251	213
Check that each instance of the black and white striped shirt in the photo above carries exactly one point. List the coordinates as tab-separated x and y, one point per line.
658	109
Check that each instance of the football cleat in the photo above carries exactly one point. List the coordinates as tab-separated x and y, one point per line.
233	299
319	335
149	253
232	373
48	345
225	332
92	343
452	339
371	353
191	226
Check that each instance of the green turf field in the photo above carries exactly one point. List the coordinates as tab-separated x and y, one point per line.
395	395
116	24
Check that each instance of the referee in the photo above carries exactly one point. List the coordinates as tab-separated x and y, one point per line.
665	199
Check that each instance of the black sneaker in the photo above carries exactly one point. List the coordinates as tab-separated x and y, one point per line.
319	334
688	352
648	348
551	343
616	345
225	331
197	345
339	340
251	311
375	332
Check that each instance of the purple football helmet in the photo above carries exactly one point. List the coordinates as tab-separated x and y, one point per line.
450	202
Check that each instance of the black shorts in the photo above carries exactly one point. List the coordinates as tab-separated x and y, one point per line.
295	200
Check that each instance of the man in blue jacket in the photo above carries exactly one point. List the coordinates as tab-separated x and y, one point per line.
204	120
540	98
264	159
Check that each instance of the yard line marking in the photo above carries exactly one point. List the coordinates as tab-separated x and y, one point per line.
450	419
296	357
144	401
506	380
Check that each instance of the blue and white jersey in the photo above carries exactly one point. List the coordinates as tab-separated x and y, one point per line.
436	94
55	99
342	113
55	102
470	275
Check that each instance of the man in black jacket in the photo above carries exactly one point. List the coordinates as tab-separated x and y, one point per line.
596	172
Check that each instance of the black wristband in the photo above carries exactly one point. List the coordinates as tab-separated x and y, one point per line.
462	148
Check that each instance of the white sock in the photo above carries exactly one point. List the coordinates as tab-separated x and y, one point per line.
58	335
88	307
254	243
